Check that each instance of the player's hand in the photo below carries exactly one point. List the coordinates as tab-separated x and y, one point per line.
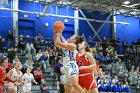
103	77
16	84
5	86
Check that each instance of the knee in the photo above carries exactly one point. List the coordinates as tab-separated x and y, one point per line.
75	84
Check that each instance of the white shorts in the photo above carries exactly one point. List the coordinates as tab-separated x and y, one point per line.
11	86
26	88
70	69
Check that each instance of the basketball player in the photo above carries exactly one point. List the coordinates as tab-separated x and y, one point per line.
3	77
28	78
16	75
86	62
70	66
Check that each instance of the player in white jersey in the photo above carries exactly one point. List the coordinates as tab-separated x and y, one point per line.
28	78
70	66
16	75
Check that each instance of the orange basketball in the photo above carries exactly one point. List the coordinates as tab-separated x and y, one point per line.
59	26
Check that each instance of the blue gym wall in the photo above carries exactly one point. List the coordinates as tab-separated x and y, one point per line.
85	29
34	24
5	21
129	32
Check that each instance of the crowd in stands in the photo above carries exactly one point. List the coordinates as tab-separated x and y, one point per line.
119	62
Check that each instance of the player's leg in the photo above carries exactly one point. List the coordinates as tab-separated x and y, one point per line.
76	87
68	88
94	90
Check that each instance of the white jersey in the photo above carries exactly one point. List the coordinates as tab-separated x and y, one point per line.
15	76
68	56
69	64
28	79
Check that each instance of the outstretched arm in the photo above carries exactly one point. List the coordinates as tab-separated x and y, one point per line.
58	43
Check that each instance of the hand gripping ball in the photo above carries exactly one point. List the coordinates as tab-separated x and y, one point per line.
59	26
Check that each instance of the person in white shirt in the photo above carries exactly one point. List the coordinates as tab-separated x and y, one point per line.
16	75
30	49
28	78
39	54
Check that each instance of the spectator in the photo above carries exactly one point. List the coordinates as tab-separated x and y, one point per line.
38	75
30	49
39	37
16	59
44	87
44	61
36	45
11	54
29	63
60	81
10	39
39	54
21	43
2	45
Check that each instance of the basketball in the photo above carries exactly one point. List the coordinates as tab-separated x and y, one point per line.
58	25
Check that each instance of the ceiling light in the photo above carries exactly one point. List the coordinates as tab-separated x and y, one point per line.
126	2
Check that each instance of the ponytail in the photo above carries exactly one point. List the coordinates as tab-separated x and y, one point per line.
87	49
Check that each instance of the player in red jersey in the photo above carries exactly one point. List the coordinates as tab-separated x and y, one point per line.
3	77
86	62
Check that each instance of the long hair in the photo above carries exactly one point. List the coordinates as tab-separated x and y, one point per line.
87	49
79	39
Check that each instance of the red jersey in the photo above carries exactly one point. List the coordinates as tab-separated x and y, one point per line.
82	61
2	75
3	78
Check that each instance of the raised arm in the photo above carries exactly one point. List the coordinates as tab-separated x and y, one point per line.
58	43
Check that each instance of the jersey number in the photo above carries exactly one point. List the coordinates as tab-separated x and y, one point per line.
79	64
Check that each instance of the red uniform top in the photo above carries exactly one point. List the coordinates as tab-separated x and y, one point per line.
3	77
82	61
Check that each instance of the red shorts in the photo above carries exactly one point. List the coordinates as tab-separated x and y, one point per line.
87	81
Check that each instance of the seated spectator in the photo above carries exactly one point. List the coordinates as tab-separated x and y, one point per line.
108	58
39	54
126	88
29	63
11	54
115	80
38	75
108	86
21	43
115	87
102	87
16	59
60	81
44	61
101	57
44	87
30	49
